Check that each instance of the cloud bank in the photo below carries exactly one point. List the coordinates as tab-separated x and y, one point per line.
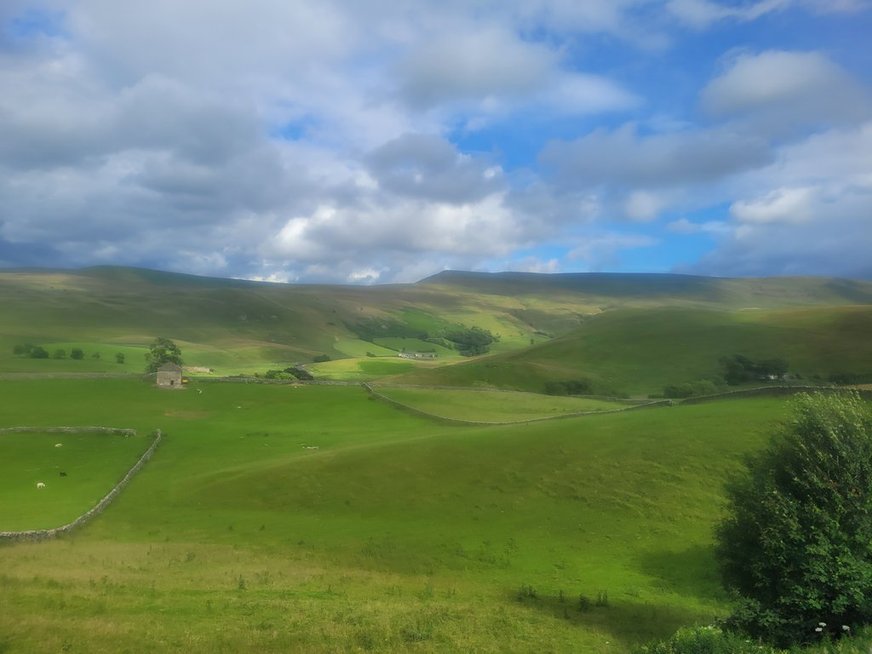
368	142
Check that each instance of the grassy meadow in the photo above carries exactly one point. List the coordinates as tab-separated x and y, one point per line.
283	518
91	465
639	351
311	518
493	406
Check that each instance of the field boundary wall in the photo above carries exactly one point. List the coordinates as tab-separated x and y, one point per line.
97	509
774	391
460	421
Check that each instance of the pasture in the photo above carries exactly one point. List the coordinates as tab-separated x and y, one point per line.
77	470
493	406
282	518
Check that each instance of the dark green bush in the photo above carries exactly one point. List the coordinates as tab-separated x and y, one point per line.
797	543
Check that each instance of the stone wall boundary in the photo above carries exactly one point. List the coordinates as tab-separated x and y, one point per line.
97	509
773	391
484	423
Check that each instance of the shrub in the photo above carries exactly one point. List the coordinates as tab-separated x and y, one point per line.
569	387
704	640
797	543
119	357
59	354
77	353
321	358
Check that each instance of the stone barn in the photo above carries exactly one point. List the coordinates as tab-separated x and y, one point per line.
169	375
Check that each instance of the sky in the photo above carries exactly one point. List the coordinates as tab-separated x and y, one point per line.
377	141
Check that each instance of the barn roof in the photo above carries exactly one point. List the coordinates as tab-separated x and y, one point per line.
170	367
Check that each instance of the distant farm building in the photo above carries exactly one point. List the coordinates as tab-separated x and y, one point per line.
169	375
418	355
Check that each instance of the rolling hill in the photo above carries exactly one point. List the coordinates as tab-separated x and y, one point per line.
609	327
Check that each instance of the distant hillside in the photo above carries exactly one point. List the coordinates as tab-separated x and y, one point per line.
243	326
640	351
624	288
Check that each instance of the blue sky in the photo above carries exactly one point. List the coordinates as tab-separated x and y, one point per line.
375	141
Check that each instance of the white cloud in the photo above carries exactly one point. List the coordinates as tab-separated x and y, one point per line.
626	158
807	213
701	14
788	205
785	88
601	251
685	226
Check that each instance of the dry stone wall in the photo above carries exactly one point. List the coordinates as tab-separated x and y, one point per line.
459	421
97	509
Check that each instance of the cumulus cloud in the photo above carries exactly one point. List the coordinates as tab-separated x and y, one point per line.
807	213
627	158
778	88
600	252
700	14
367	141
428	166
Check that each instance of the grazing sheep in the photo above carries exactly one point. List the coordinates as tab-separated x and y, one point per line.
40	484
59	444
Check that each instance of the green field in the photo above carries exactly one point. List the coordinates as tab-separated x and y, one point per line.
639	351
311	518
396	533
494	406
93	464
240	327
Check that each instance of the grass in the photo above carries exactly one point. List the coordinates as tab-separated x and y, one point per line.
639	351
399	344
91	463
241	327
396	533
494	406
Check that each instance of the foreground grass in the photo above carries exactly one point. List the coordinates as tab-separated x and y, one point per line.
395	534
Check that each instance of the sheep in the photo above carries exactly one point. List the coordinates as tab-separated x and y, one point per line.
40	484
59	444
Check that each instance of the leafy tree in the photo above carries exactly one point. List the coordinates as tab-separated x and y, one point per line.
119	357
59	354
77	353
797	543
37	352
471	341
162	351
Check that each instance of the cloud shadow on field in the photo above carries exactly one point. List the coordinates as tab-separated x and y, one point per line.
628	621
692	572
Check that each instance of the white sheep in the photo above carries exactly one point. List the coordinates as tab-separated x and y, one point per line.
40	484
59	444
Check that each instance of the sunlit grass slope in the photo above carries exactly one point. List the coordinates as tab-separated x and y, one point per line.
237	326
312	519
493	406
639	351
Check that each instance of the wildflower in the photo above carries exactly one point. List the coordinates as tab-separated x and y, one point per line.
822	624
845	628
818	629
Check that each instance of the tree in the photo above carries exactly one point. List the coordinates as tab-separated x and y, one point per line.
162	351
797	543
77	353
119	357
59	354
